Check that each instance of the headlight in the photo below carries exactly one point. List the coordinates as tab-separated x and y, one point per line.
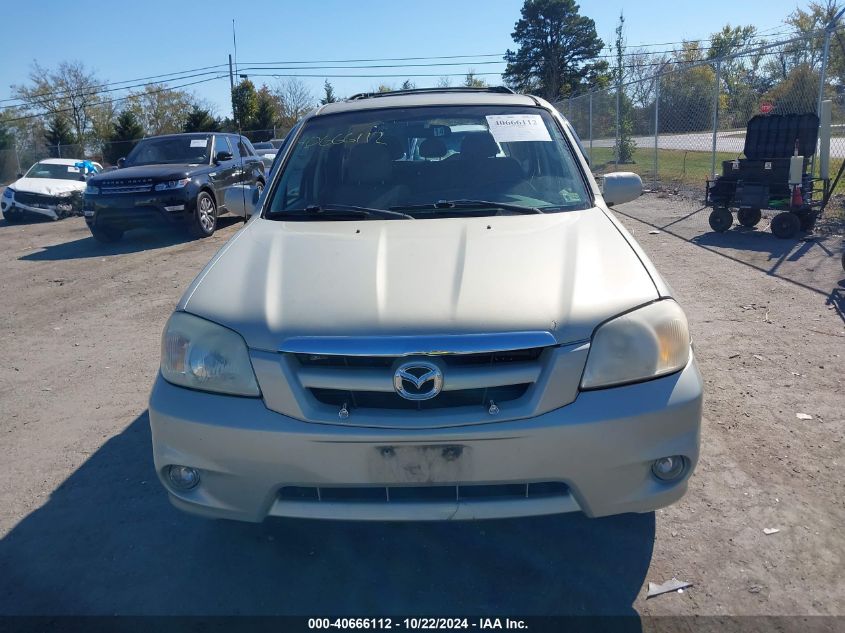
64	194
645	343
8	192
200	354
92	190
172	184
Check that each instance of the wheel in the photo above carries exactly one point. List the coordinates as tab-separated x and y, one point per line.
807	220
260	186
749	217
12	217
106	235
786	225
204	221
721	219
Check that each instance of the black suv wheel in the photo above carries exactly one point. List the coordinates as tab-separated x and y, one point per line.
204	222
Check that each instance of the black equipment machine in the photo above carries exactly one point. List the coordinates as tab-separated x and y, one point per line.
775	174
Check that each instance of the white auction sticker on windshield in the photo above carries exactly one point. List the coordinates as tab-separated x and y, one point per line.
199	142
72	169
514	128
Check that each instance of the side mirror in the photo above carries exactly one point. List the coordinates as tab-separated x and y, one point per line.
121	162
222	157
620	187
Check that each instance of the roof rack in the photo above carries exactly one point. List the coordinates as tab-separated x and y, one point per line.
371	95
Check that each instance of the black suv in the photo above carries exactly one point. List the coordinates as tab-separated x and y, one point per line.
187	179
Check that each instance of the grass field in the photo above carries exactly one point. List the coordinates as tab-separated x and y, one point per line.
677	168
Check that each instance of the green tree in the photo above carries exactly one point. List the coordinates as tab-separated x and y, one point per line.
797	94
686	96
471	81
127	131
8	164
160	109
7	139
57	133
266	116
201	120
558	50
624	147
245	104
329	90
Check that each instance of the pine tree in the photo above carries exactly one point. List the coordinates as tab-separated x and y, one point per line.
201	120
127	130
329	90
557	51
58	134
264	122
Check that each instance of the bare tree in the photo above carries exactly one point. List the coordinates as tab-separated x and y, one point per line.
295	100
640	69
444	82
70	90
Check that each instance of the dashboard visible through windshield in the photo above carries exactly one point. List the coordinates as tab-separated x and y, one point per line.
423	161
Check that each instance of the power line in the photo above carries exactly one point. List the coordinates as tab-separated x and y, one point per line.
366	66
116	100
377	59
113	83
368	75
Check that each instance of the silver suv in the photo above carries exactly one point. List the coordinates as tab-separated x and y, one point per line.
431	315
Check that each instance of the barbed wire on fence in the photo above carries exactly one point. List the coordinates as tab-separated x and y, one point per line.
676	126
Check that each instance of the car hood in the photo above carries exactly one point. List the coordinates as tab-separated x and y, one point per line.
158	172
564	273
47	186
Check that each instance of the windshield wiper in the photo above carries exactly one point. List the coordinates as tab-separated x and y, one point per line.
336	211
446	205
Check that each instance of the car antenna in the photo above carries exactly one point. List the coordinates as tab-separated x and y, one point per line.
236	117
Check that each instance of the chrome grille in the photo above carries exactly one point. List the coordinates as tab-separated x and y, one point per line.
469	380
134	185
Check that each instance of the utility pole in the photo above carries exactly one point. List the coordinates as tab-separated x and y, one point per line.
232	86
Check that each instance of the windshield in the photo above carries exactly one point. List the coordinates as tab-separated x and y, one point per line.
51	170
414	159
170	149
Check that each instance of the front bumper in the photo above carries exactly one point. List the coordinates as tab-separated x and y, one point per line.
137	210
52	211
601	446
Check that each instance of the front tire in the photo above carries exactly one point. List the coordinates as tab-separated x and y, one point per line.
749	217
13	217
106	235
786	225
721	219
204	221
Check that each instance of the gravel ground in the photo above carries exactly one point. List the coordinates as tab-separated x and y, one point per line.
86	528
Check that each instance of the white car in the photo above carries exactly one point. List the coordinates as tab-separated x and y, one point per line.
51	188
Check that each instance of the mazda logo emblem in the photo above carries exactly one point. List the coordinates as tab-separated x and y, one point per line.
418	380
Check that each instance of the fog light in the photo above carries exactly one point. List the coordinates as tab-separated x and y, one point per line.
669	468
183	477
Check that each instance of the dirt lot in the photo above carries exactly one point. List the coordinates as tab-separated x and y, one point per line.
87	529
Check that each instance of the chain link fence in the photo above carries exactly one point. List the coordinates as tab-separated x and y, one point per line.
677	125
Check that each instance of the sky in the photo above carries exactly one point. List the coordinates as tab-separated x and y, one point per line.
123	41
